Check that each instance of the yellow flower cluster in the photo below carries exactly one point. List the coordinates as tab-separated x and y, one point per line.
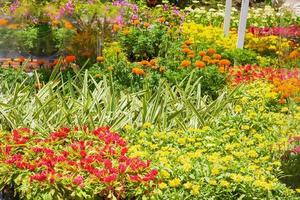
238	153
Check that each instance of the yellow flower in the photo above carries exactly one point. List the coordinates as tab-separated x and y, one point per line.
252	154
147	125
162	185
165	174
245	127
212	182
238	109
128	127
224	183
188	185
187	167
215	171
175	182
195	189
298	190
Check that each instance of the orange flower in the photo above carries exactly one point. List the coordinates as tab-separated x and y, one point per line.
202	53
100	58
224	62
185	63
222	69
188	42
200	64
146	24
191	54
186	50
144	63
110	68
211	51
55	22
294	54
282	101
70	59
217	56
126	32
97	75
161	19
137	71
116	27
184	46
68	25
136	22
3	22
152	62
206	58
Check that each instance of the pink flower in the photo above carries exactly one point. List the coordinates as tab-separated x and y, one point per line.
78	181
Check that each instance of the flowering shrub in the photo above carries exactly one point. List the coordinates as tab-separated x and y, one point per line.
72	162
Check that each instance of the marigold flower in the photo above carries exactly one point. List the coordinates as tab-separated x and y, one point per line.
126	32
206	58
202	53
138	71
224	62
136	22
186	50
146	24
3	22
294	54
191	54
185	63
68	25
162	19
116	27
100	58
188	42
144	63
217	56
211	51
152	62
110	68
70	59
200	64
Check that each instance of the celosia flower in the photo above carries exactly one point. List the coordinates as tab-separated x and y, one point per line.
78	181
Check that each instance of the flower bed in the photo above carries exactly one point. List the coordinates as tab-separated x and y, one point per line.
77	163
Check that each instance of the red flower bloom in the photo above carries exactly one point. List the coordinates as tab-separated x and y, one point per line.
70	59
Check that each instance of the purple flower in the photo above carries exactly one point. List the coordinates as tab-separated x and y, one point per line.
14	6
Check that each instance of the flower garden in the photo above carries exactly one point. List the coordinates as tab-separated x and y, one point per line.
148	100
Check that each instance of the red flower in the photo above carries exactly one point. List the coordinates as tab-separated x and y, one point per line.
110	178
70	59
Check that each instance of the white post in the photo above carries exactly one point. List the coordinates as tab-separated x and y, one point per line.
243	24
227	17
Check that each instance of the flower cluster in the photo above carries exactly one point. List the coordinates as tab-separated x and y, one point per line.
74	158
286	82
241	153
291	31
